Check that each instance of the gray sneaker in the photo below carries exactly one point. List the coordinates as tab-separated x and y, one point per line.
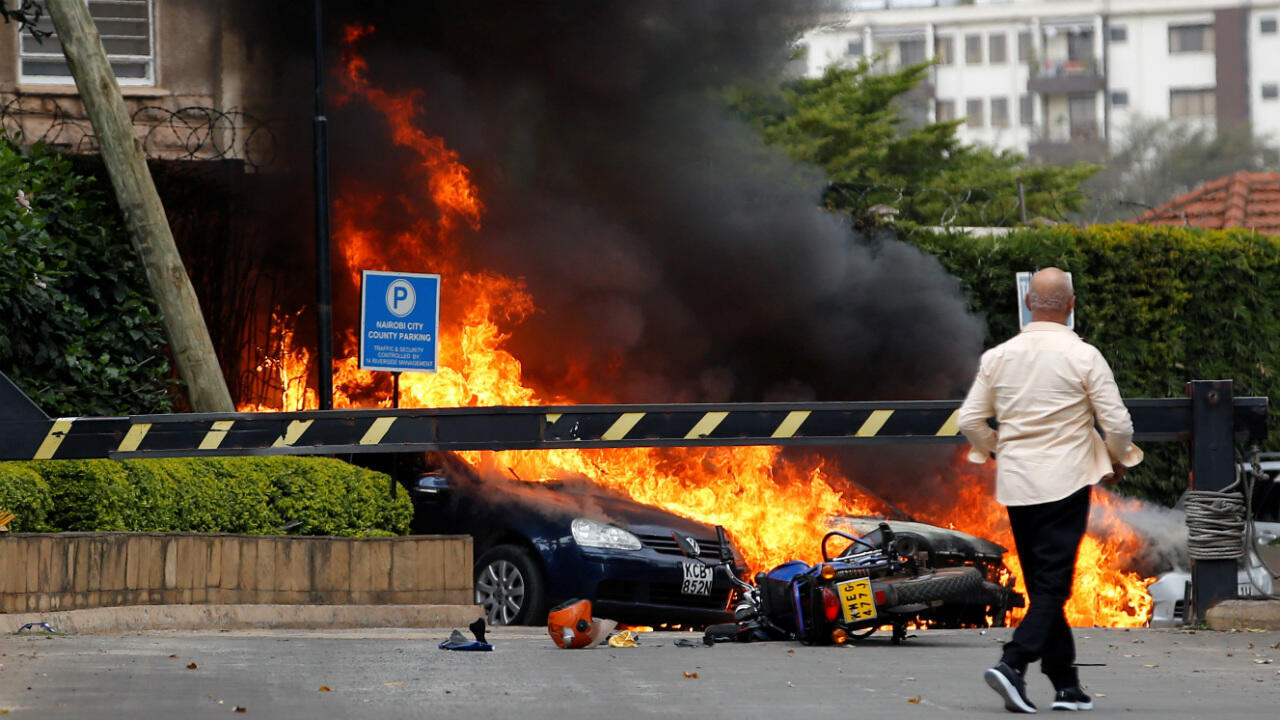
1072	699
1011	686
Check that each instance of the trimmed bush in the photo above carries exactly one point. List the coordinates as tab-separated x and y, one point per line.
1164	304
26	494
234	495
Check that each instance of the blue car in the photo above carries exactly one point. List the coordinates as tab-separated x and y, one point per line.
538	544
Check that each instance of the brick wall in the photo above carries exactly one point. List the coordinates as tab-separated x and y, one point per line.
67	571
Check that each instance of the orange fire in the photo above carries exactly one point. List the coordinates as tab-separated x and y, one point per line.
775	507
1104	594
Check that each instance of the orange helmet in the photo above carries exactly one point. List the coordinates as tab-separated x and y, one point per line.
570	624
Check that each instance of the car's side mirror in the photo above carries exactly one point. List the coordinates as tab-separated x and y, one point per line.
432	484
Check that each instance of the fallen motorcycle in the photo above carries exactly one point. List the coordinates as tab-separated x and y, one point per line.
876	580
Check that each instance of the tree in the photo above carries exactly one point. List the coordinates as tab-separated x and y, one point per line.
851	123
1159	159
82	335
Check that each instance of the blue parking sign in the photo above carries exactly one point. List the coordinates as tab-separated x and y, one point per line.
399	321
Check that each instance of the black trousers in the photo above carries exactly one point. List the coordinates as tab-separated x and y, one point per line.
1048	539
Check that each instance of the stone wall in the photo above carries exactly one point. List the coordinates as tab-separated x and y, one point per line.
66	571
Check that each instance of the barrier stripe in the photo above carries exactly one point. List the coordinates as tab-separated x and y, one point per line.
874	422
790	424
377	431
553	418
706	425
133	438
952	425
217	432
292	433
622	426
53	439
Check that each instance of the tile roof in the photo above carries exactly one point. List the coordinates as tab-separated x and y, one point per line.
1243	199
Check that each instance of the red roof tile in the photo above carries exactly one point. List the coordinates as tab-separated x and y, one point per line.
1243	199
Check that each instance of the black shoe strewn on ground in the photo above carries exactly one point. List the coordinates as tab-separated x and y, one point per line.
1011	686
1072	699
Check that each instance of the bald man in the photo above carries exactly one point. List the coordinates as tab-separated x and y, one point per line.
1046	388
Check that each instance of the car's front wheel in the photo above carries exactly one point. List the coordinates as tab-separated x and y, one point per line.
509	586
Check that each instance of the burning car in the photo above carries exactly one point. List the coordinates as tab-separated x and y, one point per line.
945	548
538	544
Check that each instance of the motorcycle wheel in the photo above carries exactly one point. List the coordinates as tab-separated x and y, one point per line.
937	585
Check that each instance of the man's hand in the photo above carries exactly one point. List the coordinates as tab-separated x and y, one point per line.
1116	475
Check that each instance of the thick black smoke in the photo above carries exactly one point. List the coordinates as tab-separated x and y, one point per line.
669	251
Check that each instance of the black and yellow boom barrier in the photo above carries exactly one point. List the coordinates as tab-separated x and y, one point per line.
29	436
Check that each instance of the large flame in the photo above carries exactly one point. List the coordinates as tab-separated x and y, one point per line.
774	506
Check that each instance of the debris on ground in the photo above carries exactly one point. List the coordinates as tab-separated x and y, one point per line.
624	639
458	641
41	626
704	641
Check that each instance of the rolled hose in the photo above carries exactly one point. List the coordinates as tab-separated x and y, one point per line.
936	585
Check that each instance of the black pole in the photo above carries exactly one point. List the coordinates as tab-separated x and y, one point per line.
1212	468
395	390
324	301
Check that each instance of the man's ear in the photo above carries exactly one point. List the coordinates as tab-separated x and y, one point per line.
1026	300
1071	304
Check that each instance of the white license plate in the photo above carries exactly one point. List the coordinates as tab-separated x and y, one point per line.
697	579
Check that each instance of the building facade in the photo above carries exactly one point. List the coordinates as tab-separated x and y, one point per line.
1063	79
182	66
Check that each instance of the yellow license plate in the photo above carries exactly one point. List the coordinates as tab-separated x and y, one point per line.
858	600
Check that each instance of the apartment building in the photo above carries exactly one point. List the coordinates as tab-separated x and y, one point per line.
1063	79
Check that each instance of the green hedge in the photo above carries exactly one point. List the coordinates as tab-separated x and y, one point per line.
81	333
235	495
1164	304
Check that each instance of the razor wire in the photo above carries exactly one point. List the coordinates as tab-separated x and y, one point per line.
992	205
186	133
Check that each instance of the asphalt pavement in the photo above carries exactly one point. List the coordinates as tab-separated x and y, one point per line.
401	674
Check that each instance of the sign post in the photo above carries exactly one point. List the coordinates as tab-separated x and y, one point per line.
399	323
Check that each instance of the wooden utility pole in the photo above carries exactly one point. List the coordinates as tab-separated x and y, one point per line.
143	213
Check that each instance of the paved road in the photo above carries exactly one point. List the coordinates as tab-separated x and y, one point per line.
401	674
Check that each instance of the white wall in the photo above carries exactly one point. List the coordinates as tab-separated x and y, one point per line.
1264	68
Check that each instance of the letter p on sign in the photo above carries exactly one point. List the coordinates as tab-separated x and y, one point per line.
400	298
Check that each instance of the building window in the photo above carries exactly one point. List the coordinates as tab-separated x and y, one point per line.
1270	91
855	48
973	113
1026	112
997	49
1190	38
972	49
1080	46
1118	33
1024	47
125	26
1267	26
944	50
1120	98
1192	103
946	110
999	112
911	52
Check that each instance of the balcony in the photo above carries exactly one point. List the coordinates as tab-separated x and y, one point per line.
1081	143
1055	77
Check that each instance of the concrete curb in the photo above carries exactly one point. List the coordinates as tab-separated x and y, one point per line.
1244	615
113	620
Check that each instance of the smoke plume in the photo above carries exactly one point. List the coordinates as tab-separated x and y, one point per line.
671	254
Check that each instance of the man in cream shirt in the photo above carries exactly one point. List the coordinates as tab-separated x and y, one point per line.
1046	388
